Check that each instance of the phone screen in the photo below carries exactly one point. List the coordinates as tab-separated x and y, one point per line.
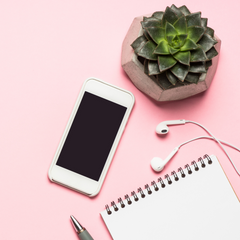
91	136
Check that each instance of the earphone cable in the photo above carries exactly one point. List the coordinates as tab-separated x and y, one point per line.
213	138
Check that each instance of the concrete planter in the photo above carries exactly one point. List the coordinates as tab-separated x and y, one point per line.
146	84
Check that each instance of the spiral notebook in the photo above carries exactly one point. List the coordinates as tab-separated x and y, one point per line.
195	202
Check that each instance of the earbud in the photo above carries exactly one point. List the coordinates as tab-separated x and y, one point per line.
162	127
158	164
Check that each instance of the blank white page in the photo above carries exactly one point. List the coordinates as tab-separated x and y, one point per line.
200	206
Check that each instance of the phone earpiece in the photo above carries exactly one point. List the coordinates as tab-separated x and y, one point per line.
162	127
158	164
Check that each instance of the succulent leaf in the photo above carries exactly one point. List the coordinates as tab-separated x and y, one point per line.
170	30
153	68
208	64
162	48
184	10
173	50
166	62
180	71
198	67
211	53
183	57
169	16
181	25
158	15
204	22
198	55
145	33
140	47
192	77
138	41
147	51
195	33
170	39
182	38
189	45
156	33
177	11
207	42
145	66
210	31
176	46
194	19
164	82
171	77
151	22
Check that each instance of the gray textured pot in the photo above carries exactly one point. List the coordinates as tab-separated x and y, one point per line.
146	84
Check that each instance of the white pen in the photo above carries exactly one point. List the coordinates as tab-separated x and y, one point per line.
81	231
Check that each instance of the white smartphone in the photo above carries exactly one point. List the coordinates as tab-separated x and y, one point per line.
91	136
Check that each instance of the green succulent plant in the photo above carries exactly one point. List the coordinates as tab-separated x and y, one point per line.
176	46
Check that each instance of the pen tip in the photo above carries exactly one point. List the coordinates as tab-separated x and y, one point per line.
74	220
76	224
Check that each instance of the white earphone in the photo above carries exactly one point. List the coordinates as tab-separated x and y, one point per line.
162	127
158	164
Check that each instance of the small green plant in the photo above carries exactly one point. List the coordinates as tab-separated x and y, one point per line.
176	46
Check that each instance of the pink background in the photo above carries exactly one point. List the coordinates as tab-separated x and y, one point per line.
47	49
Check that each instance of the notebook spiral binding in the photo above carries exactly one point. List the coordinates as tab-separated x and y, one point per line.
162	183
